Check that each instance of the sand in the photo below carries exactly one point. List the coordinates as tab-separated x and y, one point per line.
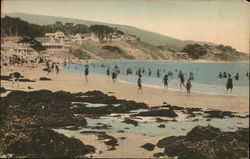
130	147
151	96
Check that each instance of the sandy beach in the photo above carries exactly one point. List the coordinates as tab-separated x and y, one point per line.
151	96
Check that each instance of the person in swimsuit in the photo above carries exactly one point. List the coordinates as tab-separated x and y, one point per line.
229	84
182	79
165	82
15	78
139	84
86	71
188	86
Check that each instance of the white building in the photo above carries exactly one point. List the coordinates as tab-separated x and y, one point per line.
130	37
78	38
11	44
91	36
57	40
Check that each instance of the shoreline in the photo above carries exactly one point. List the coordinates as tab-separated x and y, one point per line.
151	96
190	61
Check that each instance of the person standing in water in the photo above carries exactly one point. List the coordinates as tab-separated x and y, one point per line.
114	76
86	72
57	69
149	72
165	82
182	79
158	73
229	84
220	75
188	86
139	84
236	77
108	71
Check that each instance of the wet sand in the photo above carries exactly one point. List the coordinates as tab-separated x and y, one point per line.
151	96
130	147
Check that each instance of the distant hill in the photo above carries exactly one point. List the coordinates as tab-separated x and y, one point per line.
146	36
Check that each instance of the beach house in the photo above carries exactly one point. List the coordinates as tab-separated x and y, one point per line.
57	40
78	38
12	44
91	36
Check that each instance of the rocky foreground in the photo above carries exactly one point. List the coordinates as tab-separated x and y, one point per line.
27	120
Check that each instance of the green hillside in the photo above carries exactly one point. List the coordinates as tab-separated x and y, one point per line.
146	36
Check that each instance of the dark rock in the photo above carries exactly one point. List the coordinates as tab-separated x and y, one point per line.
161	120
42	142
158	154
2	90
30	87
161	113
123	138
26	80
200	133
219	114
121	131
104	126
206	142
130	121
111	140
148	146
162	126
44	79
173	107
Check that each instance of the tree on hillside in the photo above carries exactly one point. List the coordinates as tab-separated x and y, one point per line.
195	51
33	44
17	27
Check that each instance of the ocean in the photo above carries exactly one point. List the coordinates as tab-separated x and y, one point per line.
205	81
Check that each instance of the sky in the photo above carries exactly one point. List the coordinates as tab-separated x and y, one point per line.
218	21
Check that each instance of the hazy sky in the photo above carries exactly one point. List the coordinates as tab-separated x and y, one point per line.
222	21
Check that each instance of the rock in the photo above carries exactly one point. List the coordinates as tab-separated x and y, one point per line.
123	138
44	79
30	87
130	121
162	126
121	131
161	113
207	142
2	90
158	154
110	140
26	80
42	143
219	114
200	133
148	146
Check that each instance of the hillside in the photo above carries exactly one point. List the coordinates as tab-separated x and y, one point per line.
119	50
146	36
122	49
145	51
214	53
